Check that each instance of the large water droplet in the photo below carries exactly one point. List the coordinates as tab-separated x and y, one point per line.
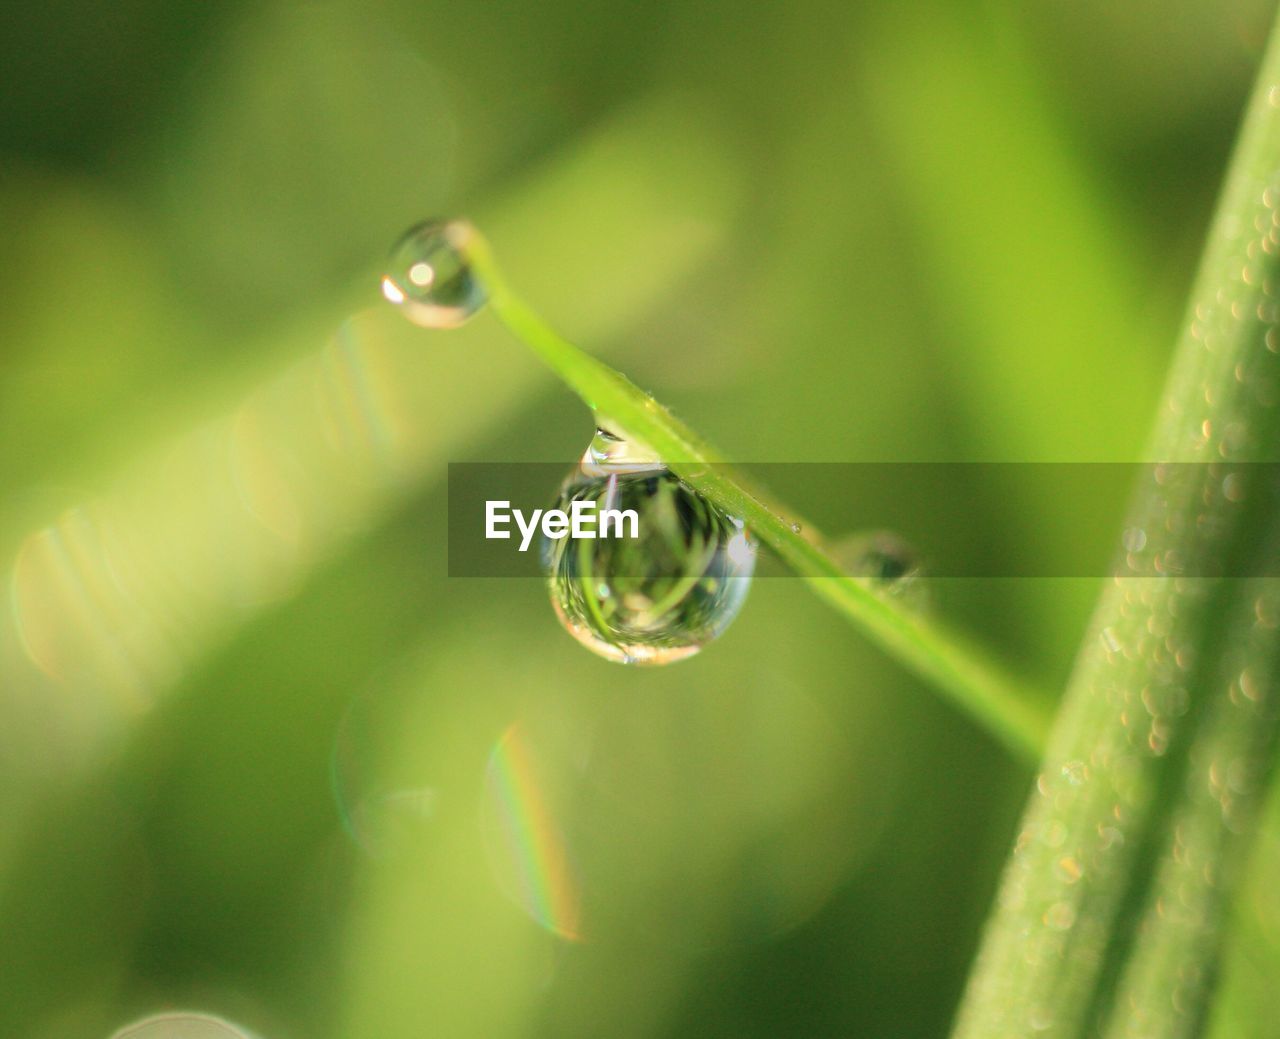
429	277
662	594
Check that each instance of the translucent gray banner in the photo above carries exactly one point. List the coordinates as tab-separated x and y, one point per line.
878	520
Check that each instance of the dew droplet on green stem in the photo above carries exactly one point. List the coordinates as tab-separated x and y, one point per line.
881	557
661	595
429	277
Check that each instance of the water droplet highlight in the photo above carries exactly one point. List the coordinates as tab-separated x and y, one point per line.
429	277
658	596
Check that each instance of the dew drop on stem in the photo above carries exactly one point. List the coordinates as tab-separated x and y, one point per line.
882	558
429	277
658	596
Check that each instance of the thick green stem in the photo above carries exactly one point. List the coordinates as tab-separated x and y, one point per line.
1014	714
1110	908
1168	977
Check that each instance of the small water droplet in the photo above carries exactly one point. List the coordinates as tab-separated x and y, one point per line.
1134	539
673	586
1069	869
1109	837
886	561
1075	772
1053	834
429	278
882	557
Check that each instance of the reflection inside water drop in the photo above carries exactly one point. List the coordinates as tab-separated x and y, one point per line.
661	595
429	277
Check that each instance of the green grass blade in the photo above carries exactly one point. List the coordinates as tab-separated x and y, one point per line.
1109	912
1170	973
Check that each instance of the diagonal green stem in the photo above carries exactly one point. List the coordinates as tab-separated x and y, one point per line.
1016	715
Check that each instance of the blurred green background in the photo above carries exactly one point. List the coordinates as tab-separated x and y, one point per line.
260	756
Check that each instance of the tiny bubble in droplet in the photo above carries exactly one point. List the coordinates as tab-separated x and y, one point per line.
429	277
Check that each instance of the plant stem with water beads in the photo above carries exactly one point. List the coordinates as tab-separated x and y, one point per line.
1112	907
1015	714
